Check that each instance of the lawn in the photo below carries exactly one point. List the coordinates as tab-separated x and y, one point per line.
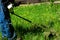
44	18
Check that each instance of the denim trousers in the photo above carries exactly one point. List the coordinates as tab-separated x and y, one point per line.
4	25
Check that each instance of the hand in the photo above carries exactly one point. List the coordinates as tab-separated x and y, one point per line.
10	6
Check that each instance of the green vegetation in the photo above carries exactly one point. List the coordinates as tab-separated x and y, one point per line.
44	19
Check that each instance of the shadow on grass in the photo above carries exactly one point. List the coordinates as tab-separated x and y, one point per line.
35	29
23	31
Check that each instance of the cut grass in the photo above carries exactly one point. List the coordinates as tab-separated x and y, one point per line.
39	14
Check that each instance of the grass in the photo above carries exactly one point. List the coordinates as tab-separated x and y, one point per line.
34	13
42	14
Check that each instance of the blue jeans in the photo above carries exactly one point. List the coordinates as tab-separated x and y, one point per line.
4	24
5	29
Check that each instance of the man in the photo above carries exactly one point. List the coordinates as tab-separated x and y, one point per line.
5	21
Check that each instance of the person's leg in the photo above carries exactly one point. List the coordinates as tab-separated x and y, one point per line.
12	31
4	24
2	16
5	30
7	26
8	31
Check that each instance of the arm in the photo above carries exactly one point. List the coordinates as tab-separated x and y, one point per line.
11	4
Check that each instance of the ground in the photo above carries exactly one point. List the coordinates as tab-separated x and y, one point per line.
44	16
